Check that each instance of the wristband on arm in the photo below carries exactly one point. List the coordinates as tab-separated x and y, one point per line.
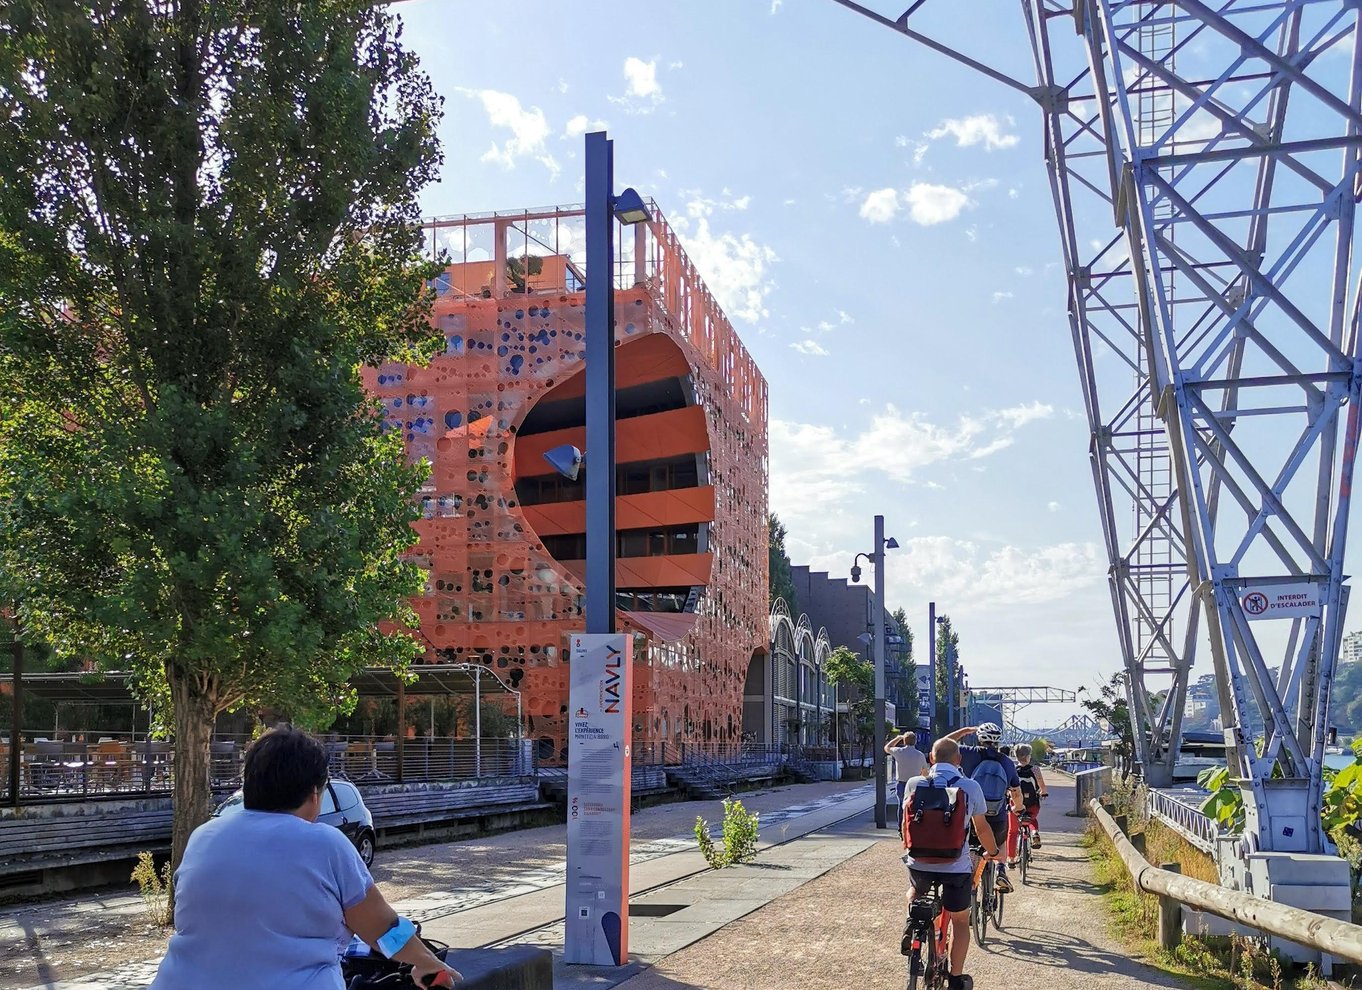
395	939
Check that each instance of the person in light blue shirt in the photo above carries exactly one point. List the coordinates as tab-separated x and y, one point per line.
955	878
266	899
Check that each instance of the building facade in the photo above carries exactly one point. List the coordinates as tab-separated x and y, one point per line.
1351	649
502	535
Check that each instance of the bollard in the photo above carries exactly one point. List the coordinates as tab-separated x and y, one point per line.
1138	841
1170	915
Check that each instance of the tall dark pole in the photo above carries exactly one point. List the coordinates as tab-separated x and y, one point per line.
16	743
600	384
932	726
877	620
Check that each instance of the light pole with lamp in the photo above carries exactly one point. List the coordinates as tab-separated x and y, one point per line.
600	692
877	617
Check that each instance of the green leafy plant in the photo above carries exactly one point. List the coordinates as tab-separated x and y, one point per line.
739	830
154	887
1225	804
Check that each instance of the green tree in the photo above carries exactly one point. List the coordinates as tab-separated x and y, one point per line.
947	642
1111	710
846	667
1040	749
208	226
781	579
904	686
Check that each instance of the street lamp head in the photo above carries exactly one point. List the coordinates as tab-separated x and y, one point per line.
566	460
891	544
629	207
855	573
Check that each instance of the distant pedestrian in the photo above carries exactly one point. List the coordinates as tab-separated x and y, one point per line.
908	760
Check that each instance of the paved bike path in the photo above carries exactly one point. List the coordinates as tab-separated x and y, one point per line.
842	929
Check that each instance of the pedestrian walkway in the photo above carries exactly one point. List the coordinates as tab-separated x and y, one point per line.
838	924
821	907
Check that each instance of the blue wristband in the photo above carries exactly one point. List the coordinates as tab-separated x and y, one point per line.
395	938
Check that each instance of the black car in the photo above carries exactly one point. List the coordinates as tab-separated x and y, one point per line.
341	806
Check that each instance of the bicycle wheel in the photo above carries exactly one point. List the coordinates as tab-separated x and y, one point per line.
998	898
1024	854
979	906
919	967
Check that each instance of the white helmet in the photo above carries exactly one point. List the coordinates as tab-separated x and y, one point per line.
989	733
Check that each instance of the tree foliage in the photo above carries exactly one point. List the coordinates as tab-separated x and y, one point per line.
947	646
780	575
208	225
1110	708
904	682
846	667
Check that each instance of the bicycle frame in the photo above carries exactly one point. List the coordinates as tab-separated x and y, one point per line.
940	934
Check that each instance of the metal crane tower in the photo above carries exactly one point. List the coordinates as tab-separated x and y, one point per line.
1204	165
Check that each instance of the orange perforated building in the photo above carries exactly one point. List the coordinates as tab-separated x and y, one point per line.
503	536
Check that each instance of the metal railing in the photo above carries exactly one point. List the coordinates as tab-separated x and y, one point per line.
1314	931
128	766
1180	811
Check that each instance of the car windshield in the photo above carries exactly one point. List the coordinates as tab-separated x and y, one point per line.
232	805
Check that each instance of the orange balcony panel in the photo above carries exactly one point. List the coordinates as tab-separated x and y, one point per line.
678	507
648	359
643	438
676	571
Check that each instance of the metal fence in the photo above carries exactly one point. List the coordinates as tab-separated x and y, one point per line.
1180	810
127	765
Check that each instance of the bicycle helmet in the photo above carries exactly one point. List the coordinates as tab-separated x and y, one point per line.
989	734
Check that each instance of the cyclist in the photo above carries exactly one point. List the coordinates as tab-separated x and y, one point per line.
997	777
1033	789
952	867
908	760
262	897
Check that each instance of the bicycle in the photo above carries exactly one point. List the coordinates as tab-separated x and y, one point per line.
987	901
929	927
1026	828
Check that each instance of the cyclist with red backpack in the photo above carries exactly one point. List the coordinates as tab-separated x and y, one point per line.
996	776
938	809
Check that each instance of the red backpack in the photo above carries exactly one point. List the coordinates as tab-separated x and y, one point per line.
935	819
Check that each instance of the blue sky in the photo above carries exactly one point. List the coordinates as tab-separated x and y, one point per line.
878	225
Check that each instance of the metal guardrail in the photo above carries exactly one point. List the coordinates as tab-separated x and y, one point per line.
1088	785
1314	931
1184	818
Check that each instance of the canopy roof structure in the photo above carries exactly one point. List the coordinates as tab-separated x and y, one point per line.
114	688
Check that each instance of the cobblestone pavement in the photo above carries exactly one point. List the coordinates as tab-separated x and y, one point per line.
842	930
101	942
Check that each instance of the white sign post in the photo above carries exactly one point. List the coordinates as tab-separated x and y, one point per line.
1280	601
599	771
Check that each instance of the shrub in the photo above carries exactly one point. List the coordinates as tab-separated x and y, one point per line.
155	888
739	832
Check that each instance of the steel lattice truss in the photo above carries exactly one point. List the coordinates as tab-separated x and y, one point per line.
1204	166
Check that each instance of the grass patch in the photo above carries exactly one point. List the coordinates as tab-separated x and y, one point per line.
1204	962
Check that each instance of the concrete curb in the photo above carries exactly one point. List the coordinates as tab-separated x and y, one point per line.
516	967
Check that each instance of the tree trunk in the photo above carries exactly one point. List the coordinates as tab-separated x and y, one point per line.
194	714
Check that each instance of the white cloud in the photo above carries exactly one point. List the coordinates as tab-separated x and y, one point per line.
810	348
982	128
736	267
901	141
580	124
529	128
1053	506
1016	417
880	206
775	5
642	77
1001	297
1025	271
844	317
643	92
930	204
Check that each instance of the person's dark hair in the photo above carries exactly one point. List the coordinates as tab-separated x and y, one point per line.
283	769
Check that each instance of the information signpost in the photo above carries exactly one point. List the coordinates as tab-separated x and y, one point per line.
599	770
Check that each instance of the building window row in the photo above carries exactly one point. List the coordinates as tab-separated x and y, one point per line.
652	599
658	541
630	479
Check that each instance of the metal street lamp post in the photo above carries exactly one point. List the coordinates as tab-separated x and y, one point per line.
877	644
